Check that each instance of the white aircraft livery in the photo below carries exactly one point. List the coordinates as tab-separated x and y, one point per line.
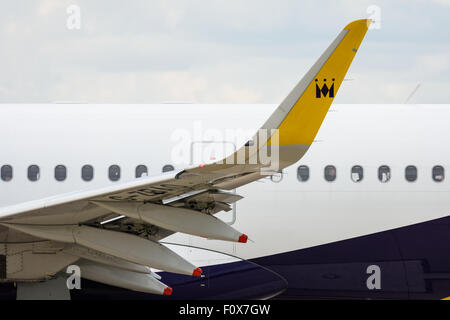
184	201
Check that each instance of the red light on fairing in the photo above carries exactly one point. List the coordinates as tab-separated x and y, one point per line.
167	291
243	238
197	272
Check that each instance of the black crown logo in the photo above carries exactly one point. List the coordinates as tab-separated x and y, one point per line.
324	90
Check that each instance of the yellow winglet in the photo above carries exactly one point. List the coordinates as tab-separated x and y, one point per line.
301	114
290	130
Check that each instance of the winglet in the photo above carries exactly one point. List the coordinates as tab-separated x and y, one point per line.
290	130
300	115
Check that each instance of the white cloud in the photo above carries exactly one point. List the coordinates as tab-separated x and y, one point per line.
214	51
434	62
443	2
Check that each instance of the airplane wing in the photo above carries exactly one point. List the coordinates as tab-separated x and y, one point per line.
185	201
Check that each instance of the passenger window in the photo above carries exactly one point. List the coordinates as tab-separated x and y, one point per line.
167	168
330	173
60	173
438	173
114	172
87	172
33	173
411	173
141	171
303	173
357	173
7	172
384	174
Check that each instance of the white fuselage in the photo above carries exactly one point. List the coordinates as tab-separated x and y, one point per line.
277	216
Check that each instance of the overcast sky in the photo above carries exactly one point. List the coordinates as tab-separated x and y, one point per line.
214	51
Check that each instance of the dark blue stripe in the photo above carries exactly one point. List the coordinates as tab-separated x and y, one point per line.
414	263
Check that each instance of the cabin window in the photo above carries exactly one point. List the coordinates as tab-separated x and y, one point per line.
60	173
33	173
438	173
87	172
167	168
330	173
357	173
141	171
303	173
384	174
6	172
114	172
411	173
